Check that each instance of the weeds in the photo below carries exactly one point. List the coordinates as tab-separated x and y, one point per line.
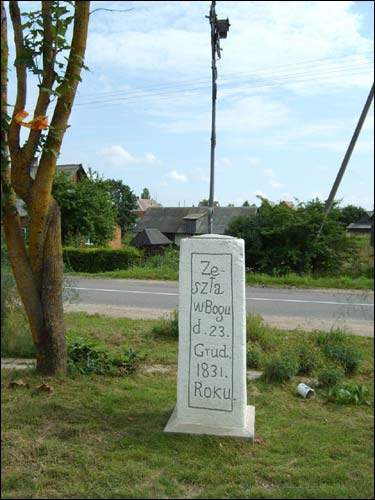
86	357
167	328
281	367
330	377
350	394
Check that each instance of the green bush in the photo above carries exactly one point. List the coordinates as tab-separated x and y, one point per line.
169	258
307	358
95	260
281	367
336	347
85	357
167	328
282	239
330	377
333	338
254	355
257	331
346	356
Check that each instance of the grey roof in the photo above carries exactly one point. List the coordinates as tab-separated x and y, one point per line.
358	226
180	220
364	223
69	169
150	237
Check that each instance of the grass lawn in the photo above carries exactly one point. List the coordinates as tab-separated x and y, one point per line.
102	437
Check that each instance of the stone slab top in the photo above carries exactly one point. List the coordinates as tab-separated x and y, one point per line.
214	237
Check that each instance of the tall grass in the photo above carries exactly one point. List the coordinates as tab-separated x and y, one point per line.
16	338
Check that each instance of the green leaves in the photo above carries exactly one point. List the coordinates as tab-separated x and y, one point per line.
350	394
283	239
86	357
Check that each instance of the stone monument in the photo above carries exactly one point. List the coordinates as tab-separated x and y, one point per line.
211	381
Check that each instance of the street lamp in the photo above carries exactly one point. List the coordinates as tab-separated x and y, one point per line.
219	29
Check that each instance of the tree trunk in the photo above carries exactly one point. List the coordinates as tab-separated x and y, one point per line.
51	346
38	272
42	297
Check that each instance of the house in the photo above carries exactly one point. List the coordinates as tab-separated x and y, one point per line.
152	240
177	223
144	204
365	225
76	173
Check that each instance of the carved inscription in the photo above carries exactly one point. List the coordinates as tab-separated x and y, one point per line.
211	332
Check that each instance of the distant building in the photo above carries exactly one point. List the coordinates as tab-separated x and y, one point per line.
151	240
144	204
76	173
178	223
365	225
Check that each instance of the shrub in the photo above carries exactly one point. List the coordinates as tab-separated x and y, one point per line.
95	260
281	367
257	331
346	356
329	377
254	355
335	337
167	328
169	258
336	346
282	239
307	359
85	357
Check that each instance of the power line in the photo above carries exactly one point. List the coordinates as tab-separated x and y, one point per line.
263	72
287	80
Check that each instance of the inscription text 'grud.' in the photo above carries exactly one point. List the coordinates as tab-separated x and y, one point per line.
211	332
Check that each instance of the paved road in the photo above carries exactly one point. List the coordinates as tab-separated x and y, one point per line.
282	307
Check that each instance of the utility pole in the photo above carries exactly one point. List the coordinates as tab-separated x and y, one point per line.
219	29
346	159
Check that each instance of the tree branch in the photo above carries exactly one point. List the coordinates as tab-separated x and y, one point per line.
14	129
49	56
20	170
15	242
41	201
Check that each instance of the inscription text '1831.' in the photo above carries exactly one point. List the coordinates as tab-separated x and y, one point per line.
211	332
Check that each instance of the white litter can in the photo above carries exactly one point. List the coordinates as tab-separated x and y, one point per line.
305	391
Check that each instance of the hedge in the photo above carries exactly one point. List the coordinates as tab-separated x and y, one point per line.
96	260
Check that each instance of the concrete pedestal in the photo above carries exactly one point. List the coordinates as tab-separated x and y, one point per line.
211	384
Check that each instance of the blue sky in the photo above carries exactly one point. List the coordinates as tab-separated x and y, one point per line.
292	82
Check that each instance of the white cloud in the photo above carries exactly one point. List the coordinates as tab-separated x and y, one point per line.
273	182
174	175
253	162
117	156
172	39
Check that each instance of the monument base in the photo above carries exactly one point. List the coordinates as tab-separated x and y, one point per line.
248	432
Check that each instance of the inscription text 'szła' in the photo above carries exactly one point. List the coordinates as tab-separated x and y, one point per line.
211	332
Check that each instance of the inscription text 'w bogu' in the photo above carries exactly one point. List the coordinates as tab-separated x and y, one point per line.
211	385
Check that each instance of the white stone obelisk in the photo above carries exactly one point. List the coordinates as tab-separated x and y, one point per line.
211	381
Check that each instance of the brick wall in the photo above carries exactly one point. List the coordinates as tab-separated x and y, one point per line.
116	242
